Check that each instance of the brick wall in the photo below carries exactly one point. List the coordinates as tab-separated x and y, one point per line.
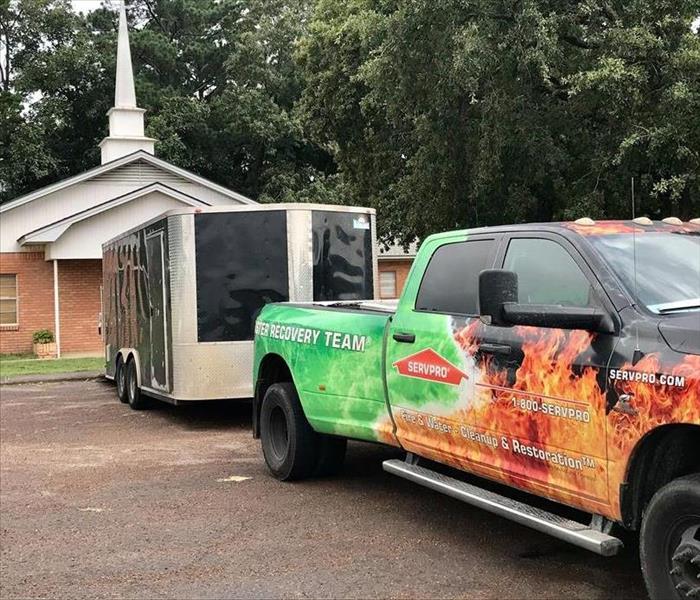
35	299
401	267
79	284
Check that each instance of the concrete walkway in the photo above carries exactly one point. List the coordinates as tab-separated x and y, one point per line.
50	377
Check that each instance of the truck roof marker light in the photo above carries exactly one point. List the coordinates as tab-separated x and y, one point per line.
643	221
584	221
672	221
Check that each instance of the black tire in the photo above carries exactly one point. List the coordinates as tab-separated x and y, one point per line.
290	446
670	541
136	399
331	455
120	380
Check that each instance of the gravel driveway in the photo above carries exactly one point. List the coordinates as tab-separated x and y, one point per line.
97	500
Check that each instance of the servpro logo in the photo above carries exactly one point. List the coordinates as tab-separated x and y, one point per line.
428	364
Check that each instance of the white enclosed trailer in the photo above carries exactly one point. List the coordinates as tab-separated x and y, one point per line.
182	292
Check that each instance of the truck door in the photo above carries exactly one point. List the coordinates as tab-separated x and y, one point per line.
158	376
430	371
543	389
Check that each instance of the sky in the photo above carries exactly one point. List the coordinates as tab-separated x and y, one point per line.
88	5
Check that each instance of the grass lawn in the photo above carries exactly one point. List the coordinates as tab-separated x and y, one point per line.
13	364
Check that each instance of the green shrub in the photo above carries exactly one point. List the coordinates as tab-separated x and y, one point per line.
42	336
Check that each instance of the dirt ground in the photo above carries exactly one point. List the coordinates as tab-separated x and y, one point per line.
97	500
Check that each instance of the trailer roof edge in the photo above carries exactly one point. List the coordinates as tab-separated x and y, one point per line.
286	206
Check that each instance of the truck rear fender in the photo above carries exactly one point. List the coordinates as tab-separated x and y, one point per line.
663	454
273	369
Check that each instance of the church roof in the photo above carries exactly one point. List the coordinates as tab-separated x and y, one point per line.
139	155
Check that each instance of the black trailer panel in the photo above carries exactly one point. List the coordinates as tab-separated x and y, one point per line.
343	256
241	266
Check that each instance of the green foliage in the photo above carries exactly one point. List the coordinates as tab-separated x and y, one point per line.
439	113
221	84
52	95
43	336
450	113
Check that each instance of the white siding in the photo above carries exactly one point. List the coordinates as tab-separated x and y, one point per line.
137	174
85	239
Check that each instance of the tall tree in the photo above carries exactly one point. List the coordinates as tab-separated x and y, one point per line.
225	108
441	113
53	98
453	113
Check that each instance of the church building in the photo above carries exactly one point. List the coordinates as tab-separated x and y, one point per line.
51	239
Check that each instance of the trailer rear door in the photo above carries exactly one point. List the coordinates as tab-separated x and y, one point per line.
157	320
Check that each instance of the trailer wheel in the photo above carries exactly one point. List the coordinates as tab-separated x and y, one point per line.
670	540
136	399
331	455
290	446
120	380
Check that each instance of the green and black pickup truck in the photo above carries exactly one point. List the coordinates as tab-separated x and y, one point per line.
560	359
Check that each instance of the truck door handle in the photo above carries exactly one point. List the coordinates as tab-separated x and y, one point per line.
406	338
502	349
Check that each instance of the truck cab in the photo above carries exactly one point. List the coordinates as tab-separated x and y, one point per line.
559	359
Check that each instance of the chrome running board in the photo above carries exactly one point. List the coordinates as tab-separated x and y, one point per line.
570	531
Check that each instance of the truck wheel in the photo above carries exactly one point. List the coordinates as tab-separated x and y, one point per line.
331	455
670	540
120	380
289	444
136	399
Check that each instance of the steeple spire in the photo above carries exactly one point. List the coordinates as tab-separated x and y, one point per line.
124	91
126	131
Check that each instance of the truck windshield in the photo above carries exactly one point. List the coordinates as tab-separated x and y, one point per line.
668	268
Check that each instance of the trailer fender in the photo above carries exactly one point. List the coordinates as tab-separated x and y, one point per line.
131	353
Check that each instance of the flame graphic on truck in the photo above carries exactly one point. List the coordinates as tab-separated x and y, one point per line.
546	374
515	426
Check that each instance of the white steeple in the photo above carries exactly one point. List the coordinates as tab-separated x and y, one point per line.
124	92
126	133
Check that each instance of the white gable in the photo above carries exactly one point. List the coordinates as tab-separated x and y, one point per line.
141	173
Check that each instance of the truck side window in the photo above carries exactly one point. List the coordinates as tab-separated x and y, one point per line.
547	274
450	283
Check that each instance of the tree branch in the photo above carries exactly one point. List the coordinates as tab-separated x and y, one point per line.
579	43
610	12
155	17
